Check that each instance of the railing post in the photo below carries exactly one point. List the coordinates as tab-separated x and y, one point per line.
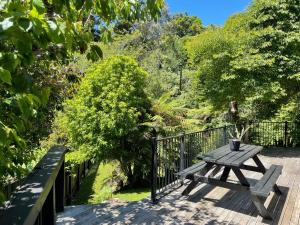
78	178
225	134
68	181
182	150
285	133
154	170
60	189
48	210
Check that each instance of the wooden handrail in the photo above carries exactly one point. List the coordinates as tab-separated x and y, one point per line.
41	195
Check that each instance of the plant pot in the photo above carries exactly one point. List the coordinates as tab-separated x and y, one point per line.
234	144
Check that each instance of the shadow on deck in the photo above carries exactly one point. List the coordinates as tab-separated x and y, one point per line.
206	204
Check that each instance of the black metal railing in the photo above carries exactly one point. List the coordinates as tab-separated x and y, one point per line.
173	154
278	134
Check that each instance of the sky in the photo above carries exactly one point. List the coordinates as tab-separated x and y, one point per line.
210	11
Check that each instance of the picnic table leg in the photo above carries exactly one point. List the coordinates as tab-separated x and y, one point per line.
215	171
225	174
193	184
277	190
259	164
241	177
259	204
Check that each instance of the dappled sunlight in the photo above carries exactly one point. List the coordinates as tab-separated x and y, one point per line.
206	204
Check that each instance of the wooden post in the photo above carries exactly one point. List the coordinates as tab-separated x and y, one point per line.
34	202
60	189
48	210
154	170
69	185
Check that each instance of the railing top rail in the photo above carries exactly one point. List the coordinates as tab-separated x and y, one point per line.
257	121
201	131
26	203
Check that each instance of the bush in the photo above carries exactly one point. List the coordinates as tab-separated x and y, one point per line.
105	117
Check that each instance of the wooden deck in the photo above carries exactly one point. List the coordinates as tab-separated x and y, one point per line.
206	204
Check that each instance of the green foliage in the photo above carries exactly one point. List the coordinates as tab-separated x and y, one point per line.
104	118
184	25
254	59
100	185
36	36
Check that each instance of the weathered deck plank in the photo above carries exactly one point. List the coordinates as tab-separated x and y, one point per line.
205	204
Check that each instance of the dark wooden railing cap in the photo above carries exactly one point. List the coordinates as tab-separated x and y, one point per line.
27	201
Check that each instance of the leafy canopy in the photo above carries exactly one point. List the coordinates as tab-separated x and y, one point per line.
105	117
254	59
34	35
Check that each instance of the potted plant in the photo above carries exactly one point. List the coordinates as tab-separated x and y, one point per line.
235	141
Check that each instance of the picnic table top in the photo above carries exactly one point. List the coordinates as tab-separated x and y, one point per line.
225	156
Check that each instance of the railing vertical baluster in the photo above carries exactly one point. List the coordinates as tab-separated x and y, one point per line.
285	133
78	177
182	148
154	170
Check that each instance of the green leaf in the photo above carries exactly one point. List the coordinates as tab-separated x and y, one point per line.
5	76
43	95
39	5
9	61
79	4
25	24
95	53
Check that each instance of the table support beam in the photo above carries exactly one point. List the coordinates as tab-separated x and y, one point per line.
259	164
252	168
241	177
219	183
194	183
225	174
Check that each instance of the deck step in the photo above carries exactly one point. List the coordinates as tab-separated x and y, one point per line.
264	186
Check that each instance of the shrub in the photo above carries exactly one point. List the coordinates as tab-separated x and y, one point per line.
105	117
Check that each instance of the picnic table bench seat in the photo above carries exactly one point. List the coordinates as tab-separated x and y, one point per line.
264	186
189	172
261	190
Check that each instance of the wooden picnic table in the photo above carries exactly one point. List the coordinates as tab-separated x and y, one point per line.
223	160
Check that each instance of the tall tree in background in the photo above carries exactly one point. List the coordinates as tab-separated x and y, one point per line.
184	25
254	59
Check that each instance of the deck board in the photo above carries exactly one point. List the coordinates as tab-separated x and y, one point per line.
205	205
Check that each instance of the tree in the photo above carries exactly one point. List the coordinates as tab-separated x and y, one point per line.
253	60
212	52
105	117
35	34
272	57
184	25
